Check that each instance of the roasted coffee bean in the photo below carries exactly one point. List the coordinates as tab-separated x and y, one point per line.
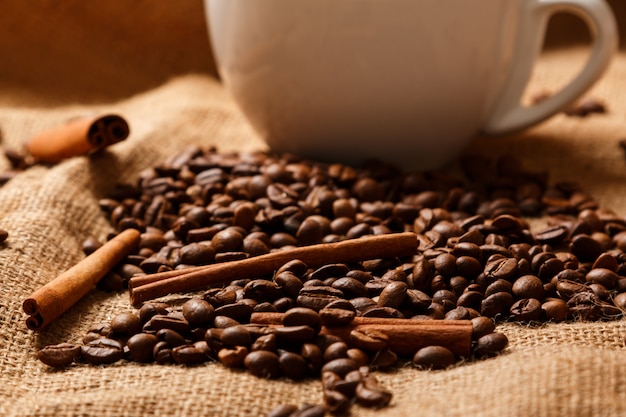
336	350
189	355
262	363
383	359
458	313
372	395
490	344
289	283
178	324
172	337
567	288
102	351
198	312
232	357
585	248
526	309
502	268
620	301
295	334
60	355
350	287
393	295
482	326
528	286
317	297
434	357
336	402
265	342
340	366
262	290
293	366
126	324
497	305
236	336
141	347
223	322
302	316
336	316
239	311
360	357
603	276
470	299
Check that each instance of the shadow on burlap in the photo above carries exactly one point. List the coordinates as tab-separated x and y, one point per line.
567	369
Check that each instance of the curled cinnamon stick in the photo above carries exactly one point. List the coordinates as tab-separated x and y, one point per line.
406	336
147	287
57	296
79	136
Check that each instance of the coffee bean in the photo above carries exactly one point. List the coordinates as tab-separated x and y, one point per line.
350	287
265	342
555	310
336	402
526	309
233	357
340	366
477	258
141	347
236	336
393	295
491	344
482	326
502	268
383	359
126	324
172	337
178	324
371	395
336	350
433	357
497	305
198	312
60	355
336	316
102	351
295	334
603	276
189	355
302	316
262	363
528	286
293	366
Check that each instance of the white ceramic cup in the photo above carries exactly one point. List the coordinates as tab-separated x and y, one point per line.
410	82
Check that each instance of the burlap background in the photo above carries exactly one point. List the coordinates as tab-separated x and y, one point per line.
151	62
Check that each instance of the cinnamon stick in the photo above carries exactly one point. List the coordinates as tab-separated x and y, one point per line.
147	287
57	296
79	136
406	336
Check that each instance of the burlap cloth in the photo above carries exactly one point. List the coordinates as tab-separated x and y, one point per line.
150	61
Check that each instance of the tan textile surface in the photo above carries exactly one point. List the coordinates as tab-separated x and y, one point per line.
150	61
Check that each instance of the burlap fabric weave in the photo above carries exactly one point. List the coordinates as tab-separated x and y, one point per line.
150	61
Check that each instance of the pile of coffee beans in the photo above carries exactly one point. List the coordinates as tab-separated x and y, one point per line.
215	327
477	254
477	258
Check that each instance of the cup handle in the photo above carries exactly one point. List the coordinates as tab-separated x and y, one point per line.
509	114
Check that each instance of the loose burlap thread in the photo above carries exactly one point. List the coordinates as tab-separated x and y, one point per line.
168	92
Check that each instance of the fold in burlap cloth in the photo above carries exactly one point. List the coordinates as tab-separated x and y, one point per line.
150	61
